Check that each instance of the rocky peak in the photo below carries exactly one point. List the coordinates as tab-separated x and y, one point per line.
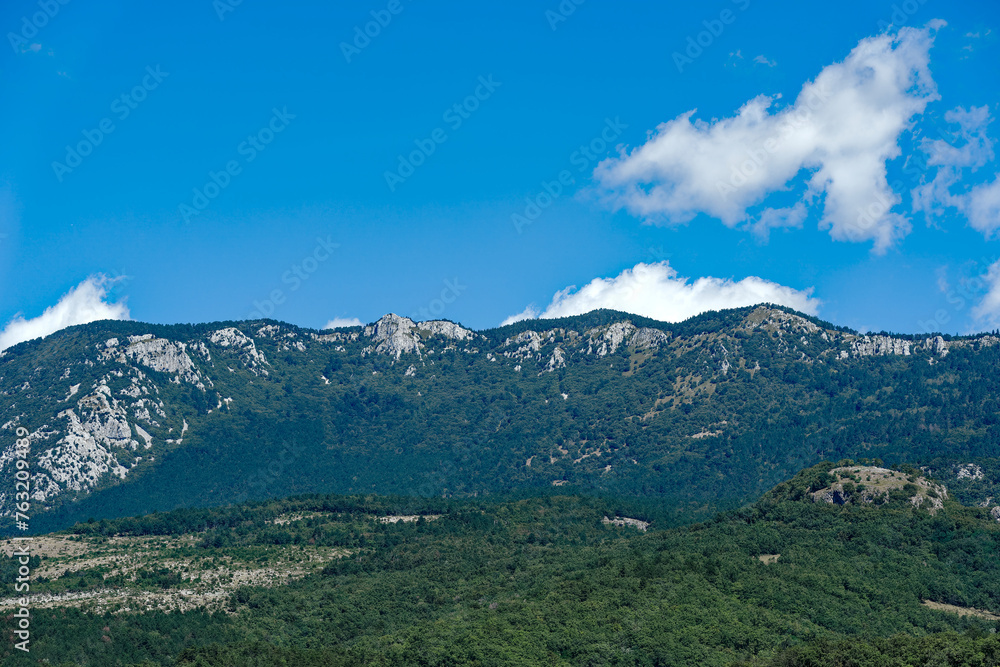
776	319
607	340
158	354
393	335
249	354
446	329
613	336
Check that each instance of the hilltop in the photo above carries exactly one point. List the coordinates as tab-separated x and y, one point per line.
875	485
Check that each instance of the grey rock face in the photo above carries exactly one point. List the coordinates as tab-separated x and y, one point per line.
393	335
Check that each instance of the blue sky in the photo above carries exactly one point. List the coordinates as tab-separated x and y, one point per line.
247	158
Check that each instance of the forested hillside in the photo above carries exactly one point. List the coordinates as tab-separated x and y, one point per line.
126	418
553	580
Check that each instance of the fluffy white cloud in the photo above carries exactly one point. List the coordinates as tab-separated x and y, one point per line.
841	129
657	291
87	302
340	322
966	150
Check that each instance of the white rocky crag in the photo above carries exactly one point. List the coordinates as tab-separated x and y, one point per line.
395	336
936	346
977	343
104	418
336	337
878	345
88	449
969	471
601	341
528	342
232	337
202	349
289	339
557	360
268	331
625	521
724	365
8	456
446	329
145	436
83	456
158	354
606	340
612	336
92	439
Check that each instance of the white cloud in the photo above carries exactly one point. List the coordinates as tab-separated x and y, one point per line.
987	311
775	218
763	60
529	313
341	322
841	130
87	302
657	291
977	148
982	206
980	203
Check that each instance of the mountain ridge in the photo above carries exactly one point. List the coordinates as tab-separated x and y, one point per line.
598	317
606	400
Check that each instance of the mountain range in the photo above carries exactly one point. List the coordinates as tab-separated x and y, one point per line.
126	418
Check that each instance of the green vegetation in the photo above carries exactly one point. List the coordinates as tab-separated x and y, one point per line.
538	580
731	404
946	649
473	483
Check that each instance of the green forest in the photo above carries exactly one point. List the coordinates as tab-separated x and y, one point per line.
544	580
595	490
727	405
